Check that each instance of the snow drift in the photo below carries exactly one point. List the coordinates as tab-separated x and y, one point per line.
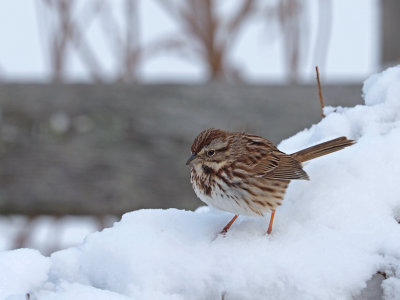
331	235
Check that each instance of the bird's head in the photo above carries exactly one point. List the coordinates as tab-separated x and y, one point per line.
210	147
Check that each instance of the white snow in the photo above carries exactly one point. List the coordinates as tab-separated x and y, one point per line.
331	235
383	87
20	271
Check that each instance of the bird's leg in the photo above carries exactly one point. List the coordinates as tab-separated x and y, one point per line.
226	228
271	221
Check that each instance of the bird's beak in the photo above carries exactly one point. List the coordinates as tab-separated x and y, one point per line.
193	156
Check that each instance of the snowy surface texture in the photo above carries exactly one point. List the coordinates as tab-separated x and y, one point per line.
331	235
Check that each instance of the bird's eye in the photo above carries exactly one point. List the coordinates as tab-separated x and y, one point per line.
210	152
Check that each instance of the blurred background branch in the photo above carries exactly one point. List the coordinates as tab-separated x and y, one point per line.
209	35
206	34
291	18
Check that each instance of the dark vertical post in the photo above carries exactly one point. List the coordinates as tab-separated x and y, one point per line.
390	30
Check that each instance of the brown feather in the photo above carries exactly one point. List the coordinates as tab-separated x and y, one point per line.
287	169
322	149
206	137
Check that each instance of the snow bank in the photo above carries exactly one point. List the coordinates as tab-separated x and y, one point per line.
332	234
20	271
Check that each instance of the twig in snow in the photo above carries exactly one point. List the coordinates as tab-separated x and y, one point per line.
321	98
383	274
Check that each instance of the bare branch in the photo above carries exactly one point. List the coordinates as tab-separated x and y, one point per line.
321	98
189	19
61	37
207	34
83	48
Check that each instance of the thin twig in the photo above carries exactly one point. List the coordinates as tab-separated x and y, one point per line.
321	98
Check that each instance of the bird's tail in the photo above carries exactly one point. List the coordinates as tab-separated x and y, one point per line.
323	149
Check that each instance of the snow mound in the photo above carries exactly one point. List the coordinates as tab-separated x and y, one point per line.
331	235
383	87
21	271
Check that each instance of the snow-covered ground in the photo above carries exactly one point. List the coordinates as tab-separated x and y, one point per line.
331	235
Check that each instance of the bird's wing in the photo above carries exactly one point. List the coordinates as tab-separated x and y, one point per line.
269	162
280	166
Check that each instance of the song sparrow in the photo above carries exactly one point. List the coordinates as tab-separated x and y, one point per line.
246	174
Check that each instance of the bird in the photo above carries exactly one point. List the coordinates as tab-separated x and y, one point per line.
246	174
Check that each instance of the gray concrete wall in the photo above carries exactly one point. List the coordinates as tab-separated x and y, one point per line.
98	149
